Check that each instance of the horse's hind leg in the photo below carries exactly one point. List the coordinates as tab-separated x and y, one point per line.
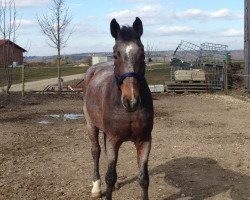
93	133
112	149
143	150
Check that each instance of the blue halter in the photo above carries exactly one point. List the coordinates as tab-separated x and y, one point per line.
120	79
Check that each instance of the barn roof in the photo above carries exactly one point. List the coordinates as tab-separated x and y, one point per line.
2	42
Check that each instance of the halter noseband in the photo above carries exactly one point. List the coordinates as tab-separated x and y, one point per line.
120	79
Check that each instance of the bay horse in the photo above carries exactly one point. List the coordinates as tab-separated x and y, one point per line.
117	100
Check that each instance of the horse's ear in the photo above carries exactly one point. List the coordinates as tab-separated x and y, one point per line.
114	28
137	26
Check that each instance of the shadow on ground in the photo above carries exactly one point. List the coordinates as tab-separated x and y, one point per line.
200	178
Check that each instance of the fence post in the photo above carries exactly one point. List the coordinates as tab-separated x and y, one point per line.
23	80
247	44
225	76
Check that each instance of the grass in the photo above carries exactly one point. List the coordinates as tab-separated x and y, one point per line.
39	73
33	74
155	74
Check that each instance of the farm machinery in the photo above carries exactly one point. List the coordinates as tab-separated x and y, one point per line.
197	68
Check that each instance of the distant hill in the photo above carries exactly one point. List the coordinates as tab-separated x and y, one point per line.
71	57
236	55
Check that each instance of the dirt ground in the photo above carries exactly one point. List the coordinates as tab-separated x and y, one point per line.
200	150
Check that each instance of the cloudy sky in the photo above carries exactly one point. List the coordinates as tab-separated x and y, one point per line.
166	23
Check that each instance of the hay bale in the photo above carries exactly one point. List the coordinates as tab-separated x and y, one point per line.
183	75
198	75
190	75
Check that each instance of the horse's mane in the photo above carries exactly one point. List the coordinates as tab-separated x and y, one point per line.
127	33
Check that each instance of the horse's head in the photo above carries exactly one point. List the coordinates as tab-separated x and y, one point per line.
129	62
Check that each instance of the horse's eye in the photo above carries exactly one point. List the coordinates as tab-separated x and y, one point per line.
142	56
116	55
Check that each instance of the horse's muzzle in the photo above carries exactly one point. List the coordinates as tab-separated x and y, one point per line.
131	105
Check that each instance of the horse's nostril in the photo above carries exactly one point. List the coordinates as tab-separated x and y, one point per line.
125	102
134	103
131	105
138	100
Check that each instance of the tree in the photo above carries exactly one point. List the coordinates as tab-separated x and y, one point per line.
149	53
54	25
8	28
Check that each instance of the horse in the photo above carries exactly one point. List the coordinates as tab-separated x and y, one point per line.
117	101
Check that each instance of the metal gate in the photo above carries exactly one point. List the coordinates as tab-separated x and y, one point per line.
208	57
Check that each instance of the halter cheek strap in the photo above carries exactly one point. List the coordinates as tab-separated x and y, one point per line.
120	79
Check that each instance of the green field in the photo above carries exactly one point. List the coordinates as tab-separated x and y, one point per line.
38	73
158	74
155	74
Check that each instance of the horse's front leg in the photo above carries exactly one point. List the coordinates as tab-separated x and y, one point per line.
93	132
143	150
112	149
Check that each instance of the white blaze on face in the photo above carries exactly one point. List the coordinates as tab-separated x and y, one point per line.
129	48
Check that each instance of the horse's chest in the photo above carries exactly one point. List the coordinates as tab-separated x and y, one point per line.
126	125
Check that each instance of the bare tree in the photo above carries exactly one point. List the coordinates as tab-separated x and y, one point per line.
54	25
8	28
149	53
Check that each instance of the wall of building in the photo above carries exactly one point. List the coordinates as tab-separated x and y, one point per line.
12	55
1	57
100	59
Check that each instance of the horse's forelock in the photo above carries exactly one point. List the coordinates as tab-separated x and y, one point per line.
127	33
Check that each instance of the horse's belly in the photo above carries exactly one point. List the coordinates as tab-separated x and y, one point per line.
93	109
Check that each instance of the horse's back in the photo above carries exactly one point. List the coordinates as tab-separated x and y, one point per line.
98	72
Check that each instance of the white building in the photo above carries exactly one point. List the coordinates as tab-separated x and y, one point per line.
101	58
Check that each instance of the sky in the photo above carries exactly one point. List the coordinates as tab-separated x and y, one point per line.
165	23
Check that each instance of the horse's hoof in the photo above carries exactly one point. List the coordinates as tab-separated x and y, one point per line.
96	195
96	191
117	186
